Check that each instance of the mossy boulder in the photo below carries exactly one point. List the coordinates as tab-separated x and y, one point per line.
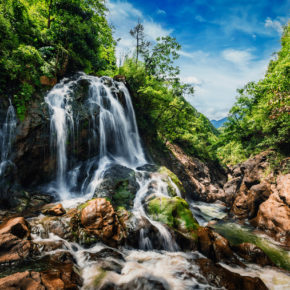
169	177
119	185
175	213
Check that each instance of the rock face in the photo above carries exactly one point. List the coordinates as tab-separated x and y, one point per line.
273	215
15	243
201	181
261	197
99	218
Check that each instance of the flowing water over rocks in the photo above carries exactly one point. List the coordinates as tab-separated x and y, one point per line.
118	221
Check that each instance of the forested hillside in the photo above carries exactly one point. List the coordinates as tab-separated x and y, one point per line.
42	41
260	118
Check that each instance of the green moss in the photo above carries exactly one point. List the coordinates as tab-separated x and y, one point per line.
175	180
173	212
237	234
122	196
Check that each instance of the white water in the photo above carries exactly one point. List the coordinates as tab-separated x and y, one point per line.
7	134
114	131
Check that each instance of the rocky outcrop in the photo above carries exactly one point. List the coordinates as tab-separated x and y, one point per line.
261	197
202	181
15	244
99	218
273	215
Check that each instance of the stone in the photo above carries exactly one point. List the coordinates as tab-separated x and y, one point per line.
173	212
99	218
252	254
119	184
214	246
218	276
15	244
55	210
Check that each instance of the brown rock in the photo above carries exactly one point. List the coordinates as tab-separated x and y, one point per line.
253	254
274	216
14	243
56	210
218	276
214	246
99	218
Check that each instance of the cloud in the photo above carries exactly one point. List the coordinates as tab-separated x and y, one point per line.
238	57
161	12
274	24
191	80
199	18
216	78
124	16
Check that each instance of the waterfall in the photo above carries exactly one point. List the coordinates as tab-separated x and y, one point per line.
7	134
113	129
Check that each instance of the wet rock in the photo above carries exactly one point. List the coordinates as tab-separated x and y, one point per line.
15	244
202	181
54	210
252	254
48	246
214	246
106	253
173	212
144	283
246	204
218	276
25	280
119	185
99	218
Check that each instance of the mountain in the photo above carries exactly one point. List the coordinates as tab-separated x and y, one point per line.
218	123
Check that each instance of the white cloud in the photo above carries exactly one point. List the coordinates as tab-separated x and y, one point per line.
154	30
238	57
191	80
218	78
199	18
274	24
161	12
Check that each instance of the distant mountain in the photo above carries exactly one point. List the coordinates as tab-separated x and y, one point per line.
218	123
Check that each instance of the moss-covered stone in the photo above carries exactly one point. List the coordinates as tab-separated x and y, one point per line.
175	213
167	173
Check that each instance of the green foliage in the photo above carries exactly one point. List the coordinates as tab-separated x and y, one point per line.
159	98
260	118
51	38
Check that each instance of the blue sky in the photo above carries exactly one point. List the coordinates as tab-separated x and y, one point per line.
225	44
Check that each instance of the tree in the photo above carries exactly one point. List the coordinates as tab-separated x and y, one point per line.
141	44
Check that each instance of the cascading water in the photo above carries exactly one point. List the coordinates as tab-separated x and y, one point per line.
114	131
7	134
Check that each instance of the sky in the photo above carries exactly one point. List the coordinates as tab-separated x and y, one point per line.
225	44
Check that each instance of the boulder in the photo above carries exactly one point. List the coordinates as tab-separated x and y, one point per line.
218	276
99	218
173	212
15	244
119	184
252	254
215	246
54	210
